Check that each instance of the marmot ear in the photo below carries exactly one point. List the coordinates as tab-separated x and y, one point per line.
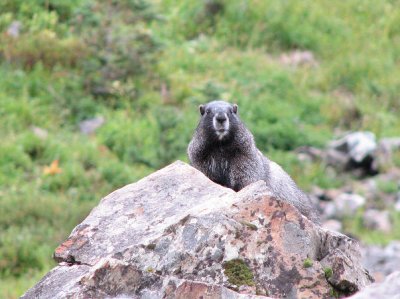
235	108
202	110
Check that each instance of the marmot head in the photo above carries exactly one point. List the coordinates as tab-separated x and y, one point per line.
219	119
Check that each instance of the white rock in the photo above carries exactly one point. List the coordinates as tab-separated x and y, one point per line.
397	204
333	224
14	29
379	220
297	58
381	261
347	203
358	145
91	125
390	288
329	209
39	132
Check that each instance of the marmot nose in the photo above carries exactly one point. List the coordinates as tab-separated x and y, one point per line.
220	118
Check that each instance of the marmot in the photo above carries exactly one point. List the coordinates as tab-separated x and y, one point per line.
224	150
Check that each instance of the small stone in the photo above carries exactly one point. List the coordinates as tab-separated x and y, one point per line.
14	29
348	203
318	192
390	144
333	224
393	249
378	220
384	153
337	158
332	193
91	125
328	209
39	132
369	188
397	204
297	57
309	153
381	261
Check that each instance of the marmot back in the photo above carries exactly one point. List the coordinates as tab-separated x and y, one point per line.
224	150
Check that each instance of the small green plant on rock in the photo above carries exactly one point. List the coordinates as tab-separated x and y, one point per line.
334	293
238	273
307	263
328	272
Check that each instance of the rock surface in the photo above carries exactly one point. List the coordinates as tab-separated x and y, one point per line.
347	204
358	153
333	224
382	261
388	289
355	151
176	234
377	220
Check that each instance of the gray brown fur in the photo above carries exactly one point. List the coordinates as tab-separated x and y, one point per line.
224	150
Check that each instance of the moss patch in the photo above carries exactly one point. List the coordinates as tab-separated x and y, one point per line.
328	272
334	293
238	273
307	263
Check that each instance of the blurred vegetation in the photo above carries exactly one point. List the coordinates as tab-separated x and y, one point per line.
145	66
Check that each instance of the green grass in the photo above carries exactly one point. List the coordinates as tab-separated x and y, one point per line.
164	59
388	186
355	226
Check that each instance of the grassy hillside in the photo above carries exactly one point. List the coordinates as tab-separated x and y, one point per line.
145	66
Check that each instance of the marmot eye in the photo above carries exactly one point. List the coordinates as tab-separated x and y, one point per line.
208	111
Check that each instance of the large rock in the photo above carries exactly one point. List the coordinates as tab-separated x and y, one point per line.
176	234
354	152
388	289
